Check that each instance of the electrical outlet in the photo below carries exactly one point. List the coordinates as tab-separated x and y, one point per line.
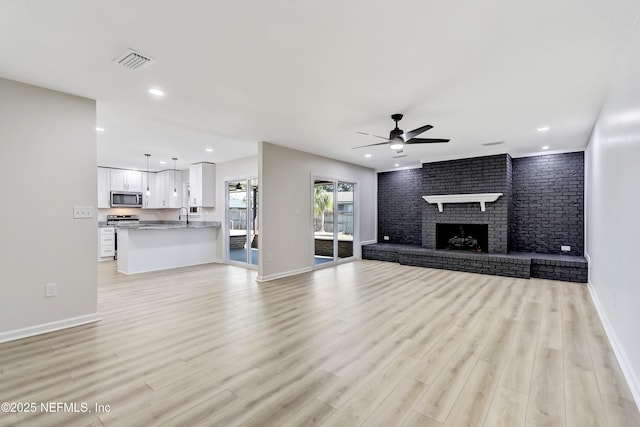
385	237
50	290
82	212
564	248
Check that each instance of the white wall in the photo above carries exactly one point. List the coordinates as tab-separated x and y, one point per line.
613	212
286	222
48	165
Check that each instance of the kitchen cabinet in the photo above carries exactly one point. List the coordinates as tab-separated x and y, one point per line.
202	183
166	181
149	201
104	188
176	182
161	185
126	180
106	242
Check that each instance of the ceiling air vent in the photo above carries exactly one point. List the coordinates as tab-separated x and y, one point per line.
489	144
134	60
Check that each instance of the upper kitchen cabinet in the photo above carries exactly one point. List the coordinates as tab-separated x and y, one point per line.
166	182
202	185
173	181
126	180
104	187
149	201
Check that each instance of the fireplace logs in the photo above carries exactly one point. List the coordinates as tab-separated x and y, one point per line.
463	243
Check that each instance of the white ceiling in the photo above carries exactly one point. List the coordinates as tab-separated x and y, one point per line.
310	74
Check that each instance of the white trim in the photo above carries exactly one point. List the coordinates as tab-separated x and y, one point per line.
48	327
618	350
283	274
368	242
481	198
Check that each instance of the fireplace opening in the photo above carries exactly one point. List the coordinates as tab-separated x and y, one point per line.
463	237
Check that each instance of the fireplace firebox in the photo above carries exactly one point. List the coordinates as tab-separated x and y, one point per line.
463	237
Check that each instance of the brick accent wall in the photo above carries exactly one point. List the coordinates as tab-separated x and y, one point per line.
548	204
542	207
400	206
489	174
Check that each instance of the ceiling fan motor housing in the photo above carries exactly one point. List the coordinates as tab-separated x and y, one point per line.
395	134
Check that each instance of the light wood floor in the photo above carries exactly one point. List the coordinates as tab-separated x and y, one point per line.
368	342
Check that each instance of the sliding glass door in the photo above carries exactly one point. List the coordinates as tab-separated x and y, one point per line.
333	220
242	221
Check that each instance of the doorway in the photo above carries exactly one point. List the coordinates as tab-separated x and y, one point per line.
242	222
333	220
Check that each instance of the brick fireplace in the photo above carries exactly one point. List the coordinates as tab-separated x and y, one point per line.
531	209
491	174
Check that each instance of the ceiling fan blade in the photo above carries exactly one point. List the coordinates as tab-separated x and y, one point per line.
371	145
370	134
426	140
409	135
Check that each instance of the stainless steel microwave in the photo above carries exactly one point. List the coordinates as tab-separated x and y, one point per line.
126	199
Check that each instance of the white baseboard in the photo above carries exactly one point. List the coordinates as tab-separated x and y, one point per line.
618	350
283	274
48	327
368	242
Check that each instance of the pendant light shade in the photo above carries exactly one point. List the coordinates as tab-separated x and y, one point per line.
148	191
175	190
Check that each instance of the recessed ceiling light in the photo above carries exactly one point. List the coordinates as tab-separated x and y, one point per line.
209	150
162	162
367	155
156	92
545	147
543	129
397	164
99	129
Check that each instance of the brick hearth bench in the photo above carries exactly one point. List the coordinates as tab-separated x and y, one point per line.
514	264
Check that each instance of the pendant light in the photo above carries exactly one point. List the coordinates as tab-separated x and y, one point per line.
148	191
175	190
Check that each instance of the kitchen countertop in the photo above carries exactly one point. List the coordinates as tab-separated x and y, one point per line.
164	225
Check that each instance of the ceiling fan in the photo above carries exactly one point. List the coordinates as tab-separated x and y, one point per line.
398	138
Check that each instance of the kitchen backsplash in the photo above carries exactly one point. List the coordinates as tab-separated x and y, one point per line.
208	214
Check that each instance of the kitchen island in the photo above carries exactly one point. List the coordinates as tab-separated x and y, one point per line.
159	247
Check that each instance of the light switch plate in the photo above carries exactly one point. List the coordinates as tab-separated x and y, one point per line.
564	248
83	212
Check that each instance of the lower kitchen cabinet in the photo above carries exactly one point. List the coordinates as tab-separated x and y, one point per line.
106	242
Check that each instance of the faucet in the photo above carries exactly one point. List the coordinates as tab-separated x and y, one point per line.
180	214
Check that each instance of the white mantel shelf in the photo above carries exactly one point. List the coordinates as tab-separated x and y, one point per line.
481	198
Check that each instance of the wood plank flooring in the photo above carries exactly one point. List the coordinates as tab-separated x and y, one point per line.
365	343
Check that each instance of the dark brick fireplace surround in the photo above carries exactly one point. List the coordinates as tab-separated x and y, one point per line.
541	209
